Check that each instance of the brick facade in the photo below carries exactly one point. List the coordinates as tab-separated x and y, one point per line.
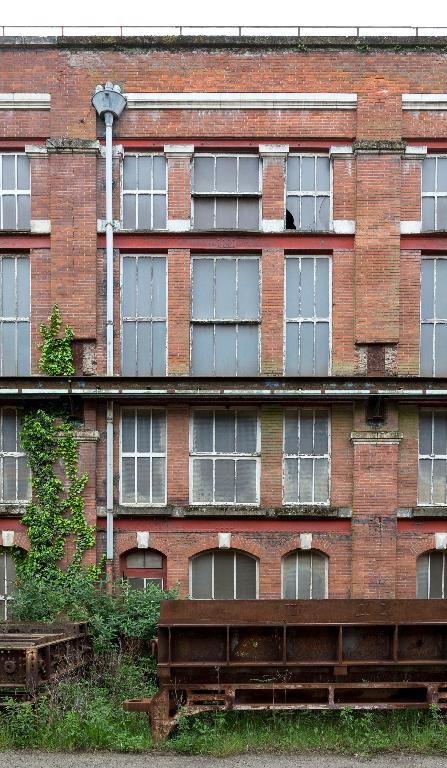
372	530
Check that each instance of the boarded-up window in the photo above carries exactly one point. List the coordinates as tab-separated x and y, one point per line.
225	456
144	192
225	316
433	348
226	191
143	456
143	567
431	574
15	474
308	310
304	575
306	456
223	575
15	191
143	313
434	192
15	350
308	192
432	457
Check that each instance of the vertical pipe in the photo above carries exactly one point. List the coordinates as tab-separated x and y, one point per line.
108	118
109	480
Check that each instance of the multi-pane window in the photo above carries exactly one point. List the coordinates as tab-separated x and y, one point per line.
433	348
304	575
143	456
143	567
224	456
226	191
434	193
308	316
15	192
225	316
144	192
15	478
15	348
7	579
432	457
143	315
306	456
223	575
308	192
431	575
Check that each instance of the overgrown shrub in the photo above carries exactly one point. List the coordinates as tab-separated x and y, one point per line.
116	613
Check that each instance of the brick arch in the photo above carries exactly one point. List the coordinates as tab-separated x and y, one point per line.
319	549
242	551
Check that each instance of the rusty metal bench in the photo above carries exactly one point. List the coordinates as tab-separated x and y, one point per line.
295	655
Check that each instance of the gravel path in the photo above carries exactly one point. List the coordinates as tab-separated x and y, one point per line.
153	760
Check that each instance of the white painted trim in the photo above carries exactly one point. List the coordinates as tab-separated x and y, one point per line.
241	100
178	150
344	226
419	101
414	152
410	227
7	538
101	225
306	540
117	151
34	150
273	225
143	539
441	540
273	150
178	225
25	100
342	151
40	226
224	540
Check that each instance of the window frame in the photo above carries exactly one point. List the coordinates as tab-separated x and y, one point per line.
297	552
433	322
237	195
18	319
212	553
5	594
144	320
435	194
327	456
432	456
308	194
315	320
15	455
136	455
256	457
148	574
213	322
145	192
14	192
428	553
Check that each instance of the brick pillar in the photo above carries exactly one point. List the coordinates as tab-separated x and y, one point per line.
271	455
178	311
272	312
179	186
374	522
73	232
273	185
178	455
343	189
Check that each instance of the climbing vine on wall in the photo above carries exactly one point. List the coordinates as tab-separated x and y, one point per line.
56	513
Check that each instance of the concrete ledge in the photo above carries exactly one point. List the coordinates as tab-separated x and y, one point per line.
25	101
40	226
273	225
410	227
178	225
225	100
284	512
73	146
344	226
422	511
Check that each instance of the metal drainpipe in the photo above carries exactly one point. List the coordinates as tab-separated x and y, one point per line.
109	103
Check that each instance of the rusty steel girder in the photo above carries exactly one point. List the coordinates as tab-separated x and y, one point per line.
32	653
297	654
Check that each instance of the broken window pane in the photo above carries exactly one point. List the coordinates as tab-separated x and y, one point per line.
308	192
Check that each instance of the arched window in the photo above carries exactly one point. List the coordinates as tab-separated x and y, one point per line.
304	575
7	579
431	579
224	575
144	566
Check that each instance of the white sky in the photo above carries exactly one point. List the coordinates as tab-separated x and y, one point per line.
224	12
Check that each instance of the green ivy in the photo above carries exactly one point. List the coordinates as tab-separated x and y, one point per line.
56	352
56	514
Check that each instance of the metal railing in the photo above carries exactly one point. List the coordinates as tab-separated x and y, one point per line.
229	31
